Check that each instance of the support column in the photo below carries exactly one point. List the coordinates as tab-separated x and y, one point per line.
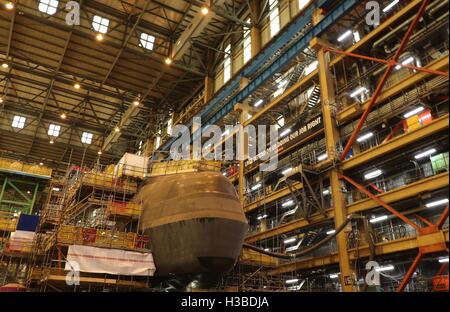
255	32
209	79
332	138
243	110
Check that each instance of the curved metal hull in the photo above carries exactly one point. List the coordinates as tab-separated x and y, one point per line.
195	223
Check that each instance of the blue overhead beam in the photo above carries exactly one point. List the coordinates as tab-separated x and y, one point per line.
210	117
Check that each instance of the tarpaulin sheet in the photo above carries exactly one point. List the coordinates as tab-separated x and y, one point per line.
27	223
109	261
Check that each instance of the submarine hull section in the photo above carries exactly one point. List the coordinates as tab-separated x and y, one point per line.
195	223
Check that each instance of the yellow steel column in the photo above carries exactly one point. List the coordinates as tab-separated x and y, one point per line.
332	137
255	33
209	78
243	110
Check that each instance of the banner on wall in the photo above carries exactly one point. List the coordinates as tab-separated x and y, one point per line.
110	261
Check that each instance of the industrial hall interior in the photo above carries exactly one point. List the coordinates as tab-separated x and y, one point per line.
224	146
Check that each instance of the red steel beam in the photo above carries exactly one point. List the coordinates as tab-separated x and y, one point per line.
442	218
410	272
380	202
374	59
383	80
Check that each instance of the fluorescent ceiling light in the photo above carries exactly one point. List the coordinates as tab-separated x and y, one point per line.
378	219
373	174
334	276
358	91
322	157
390	5
292	281
437	203
262	217
365	137
326	192
407	61
278	92
258	103
331	232
443	260
414	112
290	240
56	189
426	153
267	249
345	35
286	171
385	268
285	132
282	84
288	203
257	186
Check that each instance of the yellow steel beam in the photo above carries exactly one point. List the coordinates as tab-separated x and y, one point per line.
252	257
272	197
384	26
401	193
356	109
396	143
316	218
428	184
384	248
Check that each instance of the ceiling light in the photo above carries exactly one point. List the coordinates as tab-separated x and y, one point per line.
226	132
77	86
5	65
365	137
426	153
443	260
390	5
278	92
345	35
99	37
282	84
290	240
331	232
414	112
1	100
41	164
358	91
56	189
257	186
437	203
262	217
378	219
286	171
292	281
51	141
373	174
99	152
285	132
168	60
326	192
63	116
322	157
116	129
9	6
224	174
407	61
288	203
258	103
267	249
385	268
136	103
205	10
28	192
334	276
